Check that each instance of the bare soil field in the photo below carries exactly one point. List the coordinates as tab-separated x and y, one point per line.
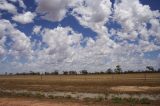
135	88
85	83
125	85
33	102
44	102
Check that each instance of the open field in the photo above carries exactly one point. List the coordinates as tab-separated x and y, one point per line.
85	83
81	90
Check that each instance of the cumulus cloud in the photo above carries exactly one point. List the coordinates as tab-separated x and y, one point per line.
20	2
19	42
4	5
146	46
134	17
61	43
2	51
37	29
24	18
93	14
65	49
52	10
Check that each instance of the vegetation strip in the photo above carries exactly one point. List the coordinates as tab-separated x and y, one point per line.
79	96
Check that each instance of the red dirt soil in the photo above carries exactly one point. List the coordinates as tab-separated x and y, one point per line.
38	102
29	102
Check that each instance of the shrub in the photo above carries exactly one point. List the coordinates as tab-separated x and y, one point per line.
39	95
117	100
68	97
132	100
51	97
145	101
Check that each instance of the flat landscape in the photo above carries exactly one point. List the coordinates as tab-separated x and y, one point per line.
79	52
84	88
84	83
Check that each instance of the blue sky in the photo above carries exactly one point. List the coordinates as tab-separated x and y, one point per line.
48	35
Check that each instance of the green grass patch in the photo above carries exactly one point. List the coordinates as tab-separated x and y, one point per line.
145	101
117	100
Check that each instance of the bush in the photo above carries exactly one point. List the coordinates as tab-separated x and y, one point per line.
51	97
68	97
99	99
117	100
132	100
145	101
39	95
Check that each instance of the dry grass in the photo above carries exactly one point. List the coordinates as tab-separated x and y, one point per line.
80	83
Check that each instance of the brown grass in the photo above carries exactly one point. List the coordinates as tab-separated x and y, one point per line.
81	83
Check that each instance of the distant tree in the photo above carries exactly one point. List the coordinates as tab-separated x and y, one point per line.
150	68
38	73
158	69
55	72
139	71
96	72
65	72
46	73
31	73
84	72
10	73
109	71
118	69
101	72
130	71
6	73
72	72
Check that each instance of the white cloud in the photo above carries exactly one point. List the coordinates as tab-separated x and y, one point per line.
52	10
4	5
146	46
61	42
20	43
64	49
55	10
2	51
21	3
60	34
134	17
93	14
25	18
37	29
155	29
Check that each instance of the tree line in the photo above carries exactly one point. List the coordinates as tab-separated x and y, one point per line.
117	70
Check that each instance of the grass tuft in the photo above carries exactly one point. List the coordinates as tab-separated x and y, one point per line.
145	101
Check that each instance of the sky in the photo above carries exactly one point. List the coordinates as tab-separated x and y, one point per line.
48	35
